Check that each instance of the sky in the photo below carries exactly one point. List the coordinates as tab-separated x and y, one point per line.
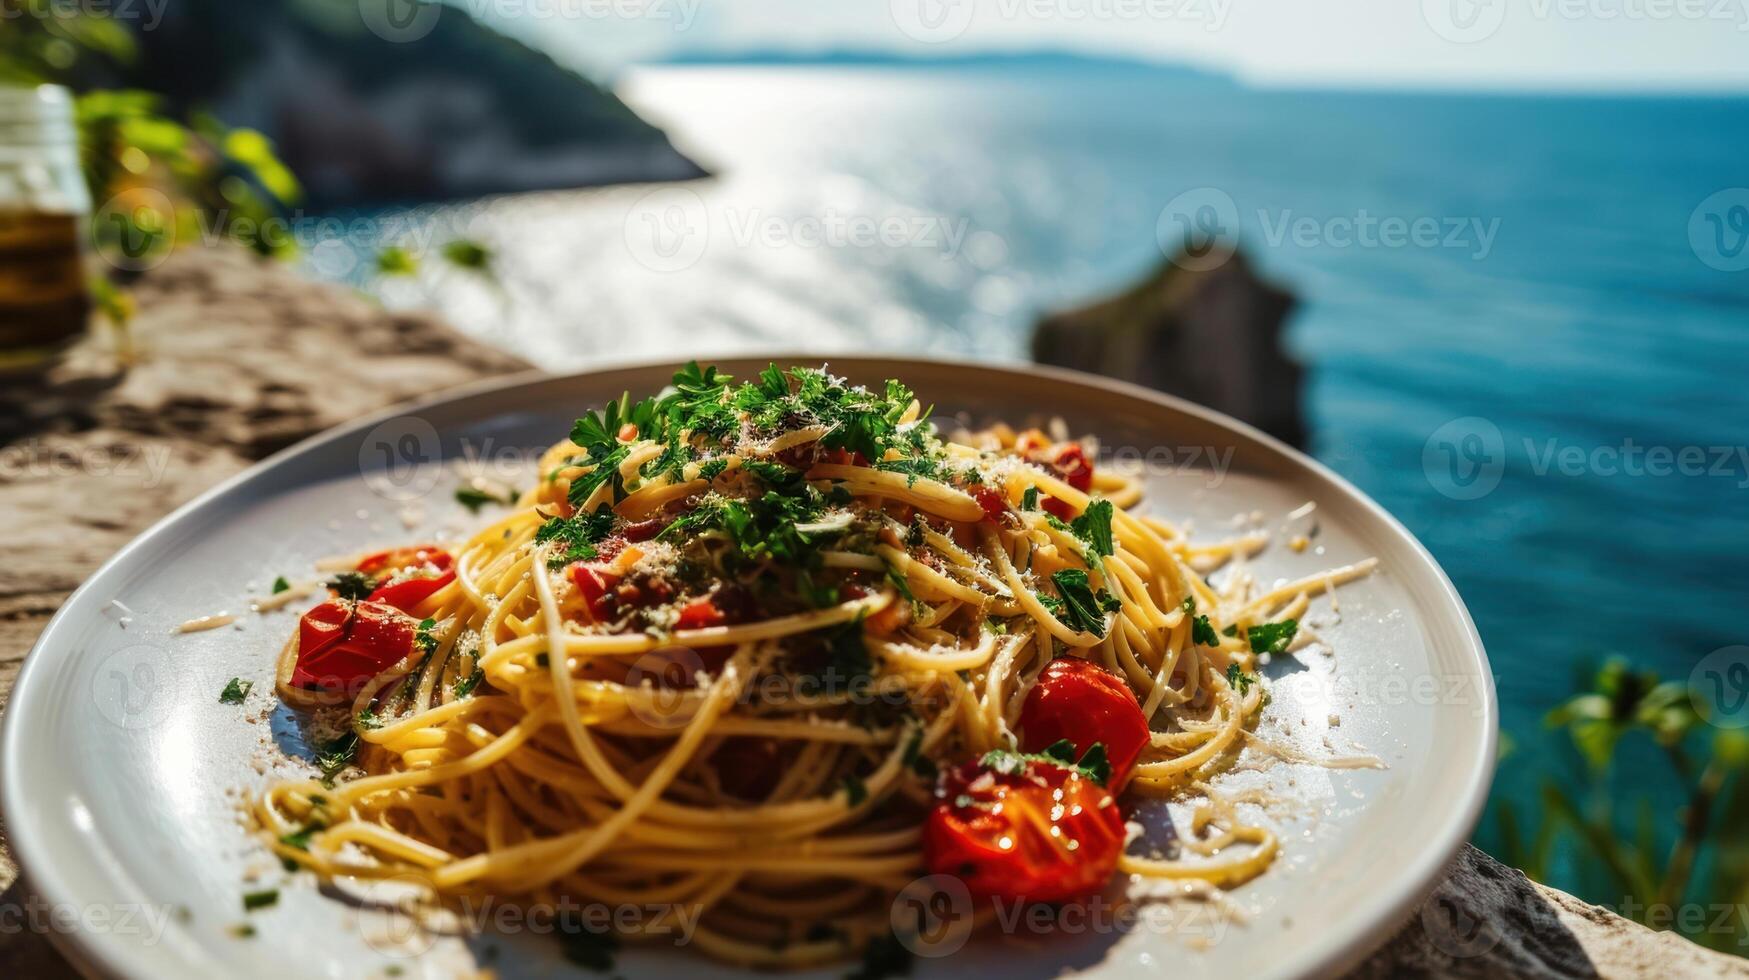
1619	45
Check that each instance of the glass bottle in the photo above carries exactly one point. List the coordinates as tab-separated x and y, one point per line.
44	207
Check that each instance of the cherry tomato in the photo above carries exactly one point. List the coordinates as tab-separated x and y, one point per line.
1085	703
991	499
341	643
1033	832
409	592
700	613
595	583
398	558
1070	462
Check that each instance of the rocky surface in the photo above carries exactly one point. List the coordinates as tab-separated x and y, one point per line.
239	358
1211	335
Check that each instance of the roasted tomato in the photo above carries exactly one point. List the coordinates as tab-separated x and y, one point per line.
595	582
1085	703
420	571
699	613
341	643
1020	828
991	500
1069	462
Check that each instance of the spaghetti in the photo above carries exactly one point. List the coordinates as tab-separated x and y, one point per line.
774	650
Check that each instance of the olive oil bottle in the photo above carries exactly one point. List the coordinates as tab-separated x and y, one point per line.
44	210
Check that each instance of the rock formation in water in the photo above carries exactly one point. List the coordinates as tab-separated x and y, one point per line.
1212	336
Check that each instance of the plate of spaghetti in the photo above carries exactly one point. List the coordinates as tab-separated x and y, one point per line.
870	668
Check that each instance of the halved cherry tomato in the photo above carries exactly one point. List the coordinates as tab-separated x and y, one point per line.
341	643
1070	462
595	583
700	613
433	569
397	558
1033	832
991	500
1085	703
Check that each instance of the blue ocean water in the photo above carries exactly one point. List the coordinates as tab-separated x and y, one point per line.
1564	302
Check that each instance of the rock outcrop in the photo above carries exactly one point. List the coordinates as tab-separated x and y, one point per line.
1212	336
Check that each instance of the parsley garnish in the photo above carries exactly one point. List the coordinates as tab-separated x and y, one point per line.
1201	630
352	585
1080	608
1272	637
464	686
280	585
1094	527
260	900
335	756
424	638
236	691
1239	680
474	498
578	535
1029	499
1093	763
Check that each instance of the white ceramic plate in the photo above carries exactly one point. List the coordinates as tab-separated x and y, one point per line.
121	770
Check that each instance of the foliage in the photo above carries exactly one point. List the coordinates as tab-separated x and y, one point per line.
1656	858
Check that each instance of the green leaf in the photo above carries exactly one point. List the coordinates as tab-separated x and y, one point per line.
280	585
236	691
1082	608
1272	637
352	585
260	899
1094	527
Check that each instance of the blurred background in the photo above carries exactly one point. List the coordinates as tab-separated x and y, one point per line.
1488	261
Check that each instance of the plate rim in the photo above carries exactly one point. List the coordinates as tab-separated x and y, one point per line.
104	954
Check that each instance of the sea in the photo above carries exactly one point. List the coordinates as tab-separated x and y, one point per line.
1524	319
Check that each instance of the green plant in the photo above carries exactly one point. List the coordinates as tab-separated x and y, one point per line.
1655	858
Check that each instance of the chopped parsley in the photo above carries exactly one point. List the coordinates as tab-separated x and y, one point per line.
260	899
473	498
333	757
1201	630
576	536
1093	763
1029	499
424	639
236	691
1094	527
1239	680
1272	637
1080	607
280	585
464	686
352	585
